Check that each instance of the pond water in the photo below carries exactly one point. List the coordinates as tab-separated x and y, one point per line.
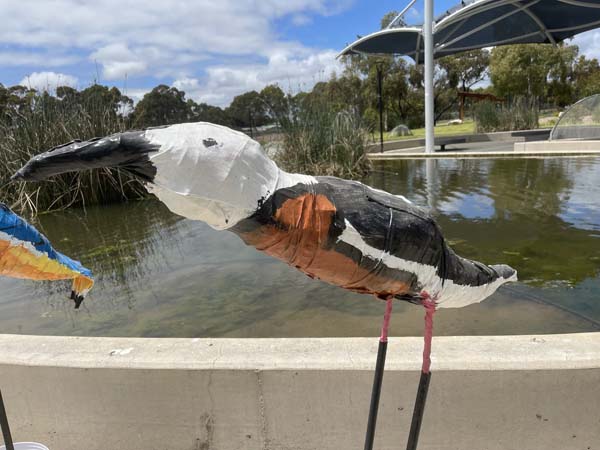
161	275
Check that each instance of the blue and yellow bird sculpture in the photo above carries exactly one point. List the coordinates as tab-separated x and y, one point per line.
26	253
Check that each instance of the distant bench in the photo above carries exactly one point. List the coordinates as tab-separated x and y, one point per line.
443	141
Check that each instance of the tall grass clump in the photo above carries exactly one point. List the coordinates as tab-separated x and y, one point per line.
521	114
45	121
318	140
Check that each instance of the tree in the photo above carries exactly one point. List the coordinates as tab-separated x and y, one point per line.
276	103
16	98
105	105
444	97
341	93
358	86
560	74
519	70
529	69
395	91
248	110
203	112
586	77
97	95
466	69
163	105
387	19
3	102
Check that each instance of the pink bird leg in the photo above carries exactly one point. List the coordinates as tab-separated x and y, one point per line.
386	319
429	305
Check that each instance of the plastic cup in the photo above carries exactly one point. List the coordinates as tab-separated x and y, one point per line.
26	446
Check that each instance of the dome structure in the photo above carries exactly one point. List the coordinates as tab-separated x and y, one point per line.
581	121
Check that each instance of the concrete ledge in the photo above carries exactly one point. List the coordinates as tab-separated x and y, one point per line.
558	146
497	393
521	153
570	351
500	136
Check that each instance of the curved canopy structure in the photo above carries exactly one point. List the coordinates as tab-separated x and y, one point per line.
473	25
487	23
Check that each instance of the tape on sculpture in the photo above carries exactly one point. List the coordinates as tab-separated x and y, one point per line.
26	253
343	232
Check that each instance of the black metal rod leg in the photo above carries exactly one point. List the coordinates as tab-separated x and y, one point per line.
378	378
375	394
417	418
4	425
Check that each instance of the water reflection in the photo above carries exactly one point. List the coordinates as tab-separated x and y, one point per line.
541	216
160	275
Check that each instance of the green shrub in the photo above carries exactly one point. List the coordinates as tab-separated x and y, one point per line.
521	114
487	117
320	141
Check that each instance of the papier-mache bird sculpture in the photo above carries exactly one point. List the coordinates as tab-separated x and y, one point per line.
26	253
339	231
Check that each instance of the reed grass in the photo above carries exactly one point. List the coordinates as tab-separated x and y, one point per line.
45	122
521	114
321	141
317	140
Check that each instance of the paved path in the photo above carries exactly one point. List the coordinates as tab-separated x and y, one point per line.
496	149
498	146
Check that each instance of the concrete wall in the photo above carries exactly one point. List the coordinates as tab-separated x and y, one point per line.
492	393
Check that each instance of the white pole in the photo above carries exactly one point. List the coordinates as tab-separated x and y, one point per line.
428	42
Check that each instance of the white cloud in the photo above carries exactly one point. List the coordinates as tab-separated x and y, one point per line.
135	37
301	19
118	61
48	81
187	84
589	43
291	73
235	40
135	94
15	59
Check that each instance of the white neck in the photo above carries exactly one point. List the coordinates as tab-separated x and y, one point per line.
220	184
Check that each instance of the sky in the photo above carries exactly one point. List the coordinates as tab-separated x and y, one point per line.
211	49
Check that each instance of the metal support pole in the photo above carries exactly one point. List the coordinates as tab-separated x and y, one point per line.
375	395
428	43
419	410
4	425
380	104
404	11
378	378
417	418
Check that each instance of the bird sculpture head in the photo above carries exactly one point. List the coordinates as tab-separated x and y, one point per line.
199	170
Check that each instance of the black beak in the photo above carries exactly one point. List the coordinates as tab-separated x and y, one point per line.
17	176
128	151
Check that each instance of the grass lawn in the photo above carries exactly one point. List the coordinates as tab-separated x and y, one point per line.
467	127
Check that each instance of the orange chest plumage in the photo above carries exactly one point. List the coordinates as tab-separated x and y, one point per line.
300	235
